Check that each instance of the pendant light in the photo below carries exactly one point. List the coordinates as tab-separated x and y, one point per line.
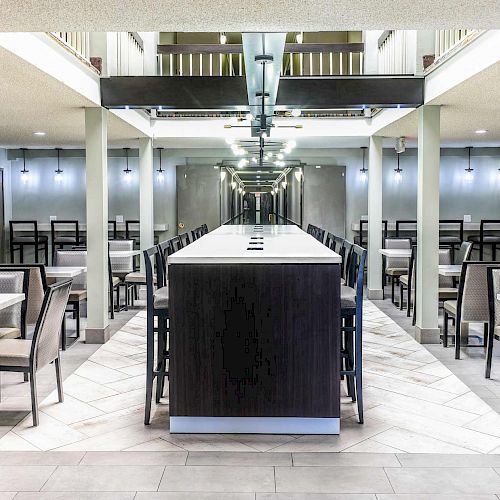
59	171
398	172
160	170
363	170
24	172
469	176
127	170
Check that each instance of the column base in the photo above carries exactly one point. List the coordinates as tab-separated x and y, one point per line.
427	335
375	294
97	335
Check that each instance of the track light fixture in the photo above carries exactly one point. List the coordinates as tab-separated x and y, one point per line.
58	171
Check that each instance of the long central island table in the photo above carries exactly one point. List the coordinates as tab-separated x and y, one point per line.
255	333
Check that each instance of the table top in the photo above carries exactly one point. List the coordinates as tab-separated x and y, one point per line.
63	271
254	244
450	270
115	254
9	299
399	253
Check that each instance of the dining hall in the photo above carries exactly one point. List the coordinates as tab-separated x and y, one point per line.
239	261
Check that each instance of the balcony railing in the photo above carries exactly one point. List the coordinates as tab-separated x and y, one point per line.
448	41
305	59
77	42
394	54
129	49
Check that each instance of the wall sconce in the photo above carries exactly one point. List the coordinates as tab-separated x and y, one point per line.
58	172
160	170
363	170
24	172
469	175
127	170
398	177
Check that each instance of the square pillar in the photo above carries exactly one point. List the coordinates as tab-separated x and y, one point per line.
427	277
375	290
96	166
146	194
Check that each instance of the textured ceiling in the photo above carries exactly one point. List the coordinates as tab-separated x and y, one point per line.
470	106
32	101
245	15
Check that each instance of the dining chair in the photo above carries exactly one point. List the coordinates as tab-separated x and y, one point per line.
329	240
62	233
185	239
409	227
122	266
204	228
337	243
176	243
450	239
394	267
112	230
351	305
13	318
472	304
78	293
364	232
131	233
407	283
493	278
463	253
447	289
157	308
489	234
30	356
32	237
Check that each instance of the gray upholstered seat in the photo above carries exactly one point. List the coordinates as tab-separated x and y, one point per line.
451	307
347	297
396	271
65	239
448	293
77	295
9	333
29	239
115	280
161	298
404	279
137	277
15	352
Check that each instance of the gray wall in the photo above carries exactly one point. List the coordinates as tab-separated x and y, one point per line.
198	196
324	198
41	197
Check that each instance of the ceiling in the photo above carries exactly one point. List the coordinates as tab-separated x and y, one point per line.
32	101
245	15
470	106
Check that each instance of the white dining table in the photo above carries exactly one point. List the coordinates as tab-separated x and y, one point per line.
115	254
398	253
63	271
10	299
452	271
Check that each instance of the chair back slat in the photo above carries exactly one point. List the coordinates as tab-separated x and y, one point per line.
46	338
472	301
14	281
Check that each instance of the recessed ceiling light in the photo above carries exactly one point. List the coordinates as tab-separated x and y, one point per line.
39	133
481	131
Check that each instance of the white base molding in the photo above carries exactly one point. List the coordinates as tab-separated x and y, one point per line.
375	294
254	425
427	335
97	335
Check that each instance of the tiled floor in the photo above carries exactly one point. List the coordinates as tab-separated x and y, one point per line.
426	436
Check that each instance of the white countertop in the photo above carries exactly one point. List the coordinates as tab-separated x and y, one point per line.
9	299
64	271
450	270
398	253
280	245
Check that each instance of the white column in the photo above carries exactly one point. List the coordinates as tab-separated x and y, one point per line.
375	150
427	278
146	193
96	163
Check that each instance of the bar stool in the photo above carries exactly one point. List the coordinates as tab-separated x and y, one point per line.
33	238
157	308
71	239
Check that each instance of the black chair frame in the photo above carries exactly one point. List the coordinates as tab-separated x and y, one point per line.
40	242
